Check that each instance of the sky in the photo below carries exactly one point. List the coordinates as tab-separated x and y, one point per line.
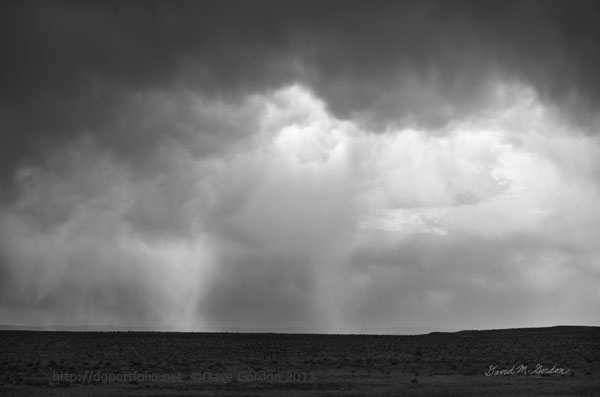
337	165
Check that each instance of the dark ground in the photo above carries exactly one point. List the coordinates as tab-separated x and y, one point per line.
153	363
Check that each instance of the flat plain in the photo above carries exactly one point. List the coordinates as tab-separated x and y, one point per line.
531	361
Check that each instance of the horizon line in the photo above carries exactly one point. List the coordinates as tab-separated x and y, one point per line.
384	331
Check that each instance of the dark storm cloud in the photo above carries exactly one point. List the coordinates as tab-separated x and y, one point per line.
291	163
69	66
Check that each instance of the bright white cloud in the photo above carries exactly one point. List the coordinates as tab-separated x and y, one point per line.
302	219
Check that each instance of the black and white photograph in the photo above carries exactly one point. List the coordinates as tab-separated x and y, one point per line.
299	197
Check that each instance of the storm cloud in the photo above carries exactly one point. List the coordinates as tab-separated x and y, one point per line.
335	166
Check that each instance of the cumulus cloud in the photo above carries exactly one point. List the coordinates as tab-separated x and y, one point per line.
309	220
334	167
70	66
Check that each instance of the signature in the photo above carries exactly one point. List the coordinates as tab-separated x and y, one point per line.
523	370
